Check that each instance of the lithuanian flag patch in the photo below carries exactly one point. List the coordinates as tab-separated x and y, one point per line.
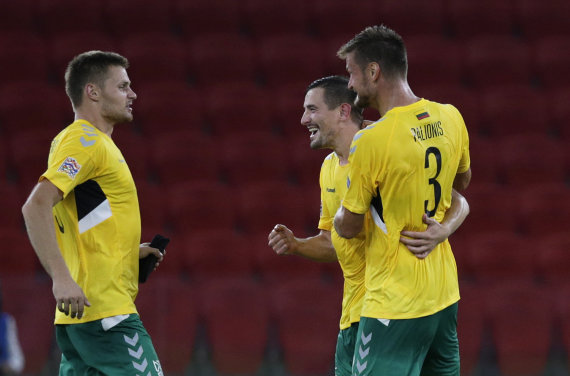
422	115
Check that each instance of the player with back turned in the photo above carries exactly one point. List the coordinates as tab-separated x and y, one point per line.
83	221
333	120
402	166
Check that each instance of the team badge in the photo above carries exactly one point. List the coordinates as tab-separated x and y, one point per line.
70	167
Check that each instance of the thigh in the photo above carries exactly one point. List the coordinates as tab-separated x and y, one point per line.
71	363
122	350
443	357
345	351
392	347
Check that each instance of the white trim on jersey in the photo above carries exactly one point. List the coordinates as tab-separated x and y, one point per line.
97	215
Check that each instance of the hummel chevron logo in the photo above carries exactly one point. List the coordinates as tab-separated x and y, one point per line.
136	354
361	367
86	143
131	341
142	366
366	339
363	353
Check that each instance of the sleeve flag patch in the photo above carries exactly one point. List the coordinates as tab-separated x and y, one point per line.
70	167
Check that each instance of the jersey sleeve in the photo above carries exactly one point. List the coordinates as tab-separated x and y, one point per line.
359	183
71	161
465	159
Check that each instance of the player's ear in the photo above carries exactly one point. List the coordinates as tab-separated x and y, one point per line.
373	70
345	109
92	92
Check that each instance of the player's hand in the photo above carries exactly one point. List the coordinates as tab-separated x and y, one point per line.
145	250
421	243
70	298
282	240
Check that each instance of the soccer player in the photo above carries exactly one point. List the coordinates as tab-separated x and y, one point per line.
333	120
83	221
401	167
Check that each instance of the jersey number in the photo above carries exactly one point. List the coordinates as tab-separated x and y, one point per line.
433	181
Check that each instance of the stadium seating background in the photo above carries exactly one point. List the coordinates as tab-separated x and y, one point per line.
219	157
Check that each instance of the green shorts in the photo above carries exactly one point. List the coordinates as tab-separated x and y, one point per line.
124	349
425	346
345	350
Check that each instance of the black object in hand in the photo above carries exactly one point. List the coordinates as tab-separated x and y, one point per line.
147	264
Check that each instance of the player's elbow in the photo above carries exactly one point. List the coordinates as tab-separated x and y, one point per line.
461	181
347	224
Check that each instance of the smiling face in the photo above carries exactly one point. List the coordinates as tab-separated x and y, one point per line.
117	96
358	81
319	120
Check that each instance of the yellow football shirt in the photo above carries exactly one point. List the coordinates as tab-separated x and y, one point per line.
98	222
401	167
350	252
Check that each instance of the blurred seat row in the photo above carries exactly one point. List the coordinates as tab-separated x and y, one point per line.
257	17
244	320
271	60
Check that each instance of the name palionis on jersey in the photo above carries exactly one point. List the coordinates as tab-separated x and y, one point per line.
427	131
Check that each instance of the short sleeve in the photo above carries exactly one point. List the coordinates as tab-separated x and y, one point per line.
359	183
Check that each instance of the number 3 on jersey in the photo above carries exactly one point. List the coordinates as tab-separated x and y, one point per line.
433	181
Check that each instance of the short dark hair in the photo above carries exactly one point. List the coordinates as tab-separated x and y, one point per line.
336	92
381	45
89	67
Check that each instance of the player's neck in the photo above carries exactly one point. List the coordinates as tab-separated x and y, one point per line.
96	120
395	94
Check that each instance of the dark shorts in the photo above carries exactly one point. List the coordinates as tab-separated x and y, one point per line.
345	350
123	350
425	346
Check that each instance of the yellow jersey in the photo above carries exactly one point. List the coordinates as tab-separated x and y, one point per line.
350	252
401	167
98	221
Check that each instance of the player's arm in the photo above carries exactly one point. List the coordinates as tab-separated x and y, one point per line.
316	248
40	225
347	223
462	180
423	242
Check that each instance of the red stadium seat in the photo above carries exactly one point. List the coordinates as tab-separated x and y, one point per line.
261	205
60	17
262	18
467	17
485	55
470	326
152	209
288	107
131	17
201	17
276	269
425	70
537	19
217	253
506	110
559	111
236	318
553	260
307	332
17	15
34	321
20	257
169	312
196	206
562	305
544	208
290	58
12	198
330	21
166	106
551	56
154	56
66	46
212	62
31	63
502	256
28	156
52	109
231	109
307	163
528	159
521	321
254	157
184	156
133	147
412	17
